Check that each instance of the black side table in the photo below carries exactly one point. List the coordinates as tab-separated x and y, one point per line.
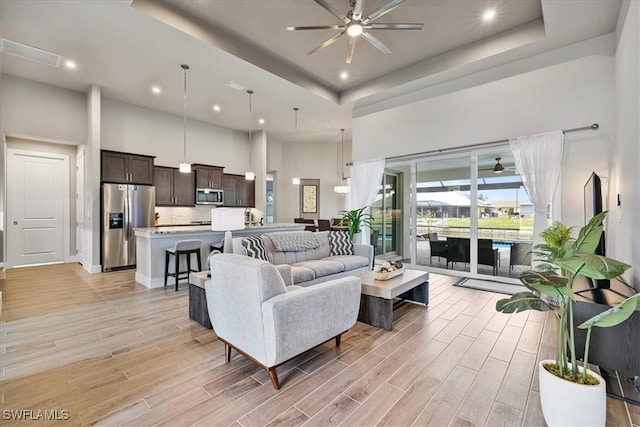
198	300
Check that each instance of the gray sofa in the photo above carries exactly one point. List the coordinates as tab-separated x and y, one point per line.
317	265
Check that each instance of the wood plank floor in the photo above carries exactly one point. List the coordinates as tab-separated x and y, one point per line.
112	352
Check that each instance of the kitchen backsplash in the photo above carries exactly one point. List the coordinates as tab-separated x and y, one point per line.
177	215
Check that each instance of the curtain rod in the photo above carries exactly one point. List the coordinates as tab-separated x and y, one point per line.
594	126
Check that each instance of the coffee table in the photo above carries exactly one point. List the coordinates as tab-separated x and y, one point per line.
376	299
198	310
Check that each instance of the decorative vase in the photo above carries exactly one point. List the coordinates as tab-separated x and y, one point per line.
357	238
566	403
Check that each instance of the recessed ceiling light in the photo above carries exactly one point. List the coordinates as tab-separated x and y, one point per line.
488	15
261	121
70	64
216	108
344	75
156	90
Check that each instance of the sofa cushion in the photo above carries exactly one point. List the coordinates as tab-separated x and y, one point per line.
322	267
302	274
255	247
340	243
294	241
350	262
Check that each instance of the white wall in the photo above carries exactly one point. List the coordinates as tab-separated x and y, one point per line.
624	237
560	96
313	161
139	130
42	111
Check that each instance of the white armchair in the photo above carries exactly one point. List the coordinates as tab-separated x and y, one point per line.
254	313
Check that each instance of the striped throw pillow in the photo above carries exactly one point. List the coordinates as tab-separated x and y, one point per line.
340	243
255	247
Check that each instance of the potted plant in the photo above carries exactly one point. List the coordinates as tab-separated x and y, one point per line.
570	394
355	219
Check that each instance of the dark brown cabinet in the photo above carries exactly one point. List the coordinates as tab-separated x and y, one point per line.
174	188
208	176
238	191
125	168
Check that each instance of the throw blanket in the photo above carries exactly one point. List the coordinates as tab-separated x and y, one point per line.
294	241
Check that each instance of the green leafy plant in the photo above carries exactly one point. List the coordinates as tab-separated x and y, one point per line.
563	258
355	219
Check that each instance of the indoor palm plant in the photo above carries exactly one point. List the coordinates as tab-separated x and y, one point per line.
355	219
563	258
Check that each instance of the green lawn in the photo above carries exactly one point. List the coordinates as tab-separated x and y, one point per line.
504	223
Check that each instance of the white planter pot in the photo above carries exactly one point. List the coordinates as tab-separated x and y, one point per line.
357	238
565	403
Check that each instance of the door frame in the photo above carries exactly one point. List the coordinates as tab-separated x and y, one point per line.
65	210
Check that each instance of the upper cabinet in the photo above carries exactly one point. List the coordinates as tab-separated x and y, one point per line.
208	176
173	188
124	168
238	191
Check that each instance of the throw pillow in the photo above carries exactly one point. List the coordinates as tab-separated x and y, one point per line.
340	243
255	247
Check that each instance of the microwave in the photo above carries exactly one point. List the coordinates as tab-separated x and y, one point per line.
209	196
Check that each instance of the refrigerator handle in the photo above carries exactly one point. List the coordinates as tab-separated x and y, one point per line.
127	216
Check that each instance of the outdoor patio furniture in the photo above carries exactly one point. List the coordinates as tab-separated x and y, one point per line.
520	255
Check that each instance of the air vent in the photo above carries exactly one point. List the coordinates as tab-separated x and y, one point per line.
234	85
29	52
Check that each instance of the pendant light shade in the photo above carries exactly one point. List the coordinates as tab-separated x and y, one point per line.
296	178
185	167
249	175
343	188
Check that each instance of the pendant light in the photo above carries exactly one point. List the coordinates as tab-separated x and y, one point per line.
249	175
184	166
343	188
296	178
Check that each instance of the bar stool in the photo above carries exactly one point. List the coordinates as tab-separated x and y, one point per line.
183	247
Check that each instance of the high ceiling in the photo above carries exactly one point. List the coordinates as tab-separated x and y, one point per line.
126	47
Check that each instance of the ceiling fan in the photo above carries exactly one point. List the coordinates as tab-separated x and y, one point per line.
355	24
499	167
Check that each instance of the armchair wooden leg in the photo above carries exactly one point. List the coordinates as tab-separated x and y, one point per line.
227	352
338	340
274	378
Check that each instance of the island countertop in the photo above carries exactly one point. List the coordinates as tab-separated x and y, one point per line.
152	242
193	229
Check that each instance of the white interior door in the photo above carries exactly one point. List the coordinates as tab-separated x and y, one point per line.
80	205
37	205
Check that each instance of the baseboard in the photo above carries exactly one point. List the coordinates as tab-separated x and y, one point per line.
93	269
158	282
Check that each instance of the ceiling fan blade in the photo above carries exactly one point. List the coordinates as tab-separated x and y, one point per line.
382	11
350	49
357	10
318	27
326	43
376	43
399	26
333	11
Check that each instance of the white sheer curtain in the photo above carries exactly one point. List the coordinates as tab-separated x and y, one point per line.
538	159
366	178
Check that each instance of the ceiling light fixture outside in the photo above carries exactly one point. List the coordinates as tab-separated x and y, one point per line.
354	30
296	178
185	167
249	175
498	168
343	188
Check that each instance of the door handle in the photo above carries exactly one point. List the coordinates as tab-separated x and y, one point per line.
15	222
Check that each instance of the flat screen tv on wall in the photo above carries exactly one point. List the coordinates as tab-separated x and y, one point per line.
593	205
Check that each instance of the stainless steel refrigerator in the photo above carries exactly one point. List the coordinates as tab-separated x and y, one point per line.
124	207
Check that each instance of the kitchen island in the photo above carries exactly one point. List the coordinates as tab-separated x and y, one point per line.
152	242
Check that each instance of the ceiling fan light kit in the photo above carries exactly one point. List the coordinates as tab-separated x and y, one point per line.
498	168
354	25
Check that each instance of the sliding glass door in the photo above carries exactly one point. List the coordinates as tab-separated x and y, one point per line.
387	218
471	214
